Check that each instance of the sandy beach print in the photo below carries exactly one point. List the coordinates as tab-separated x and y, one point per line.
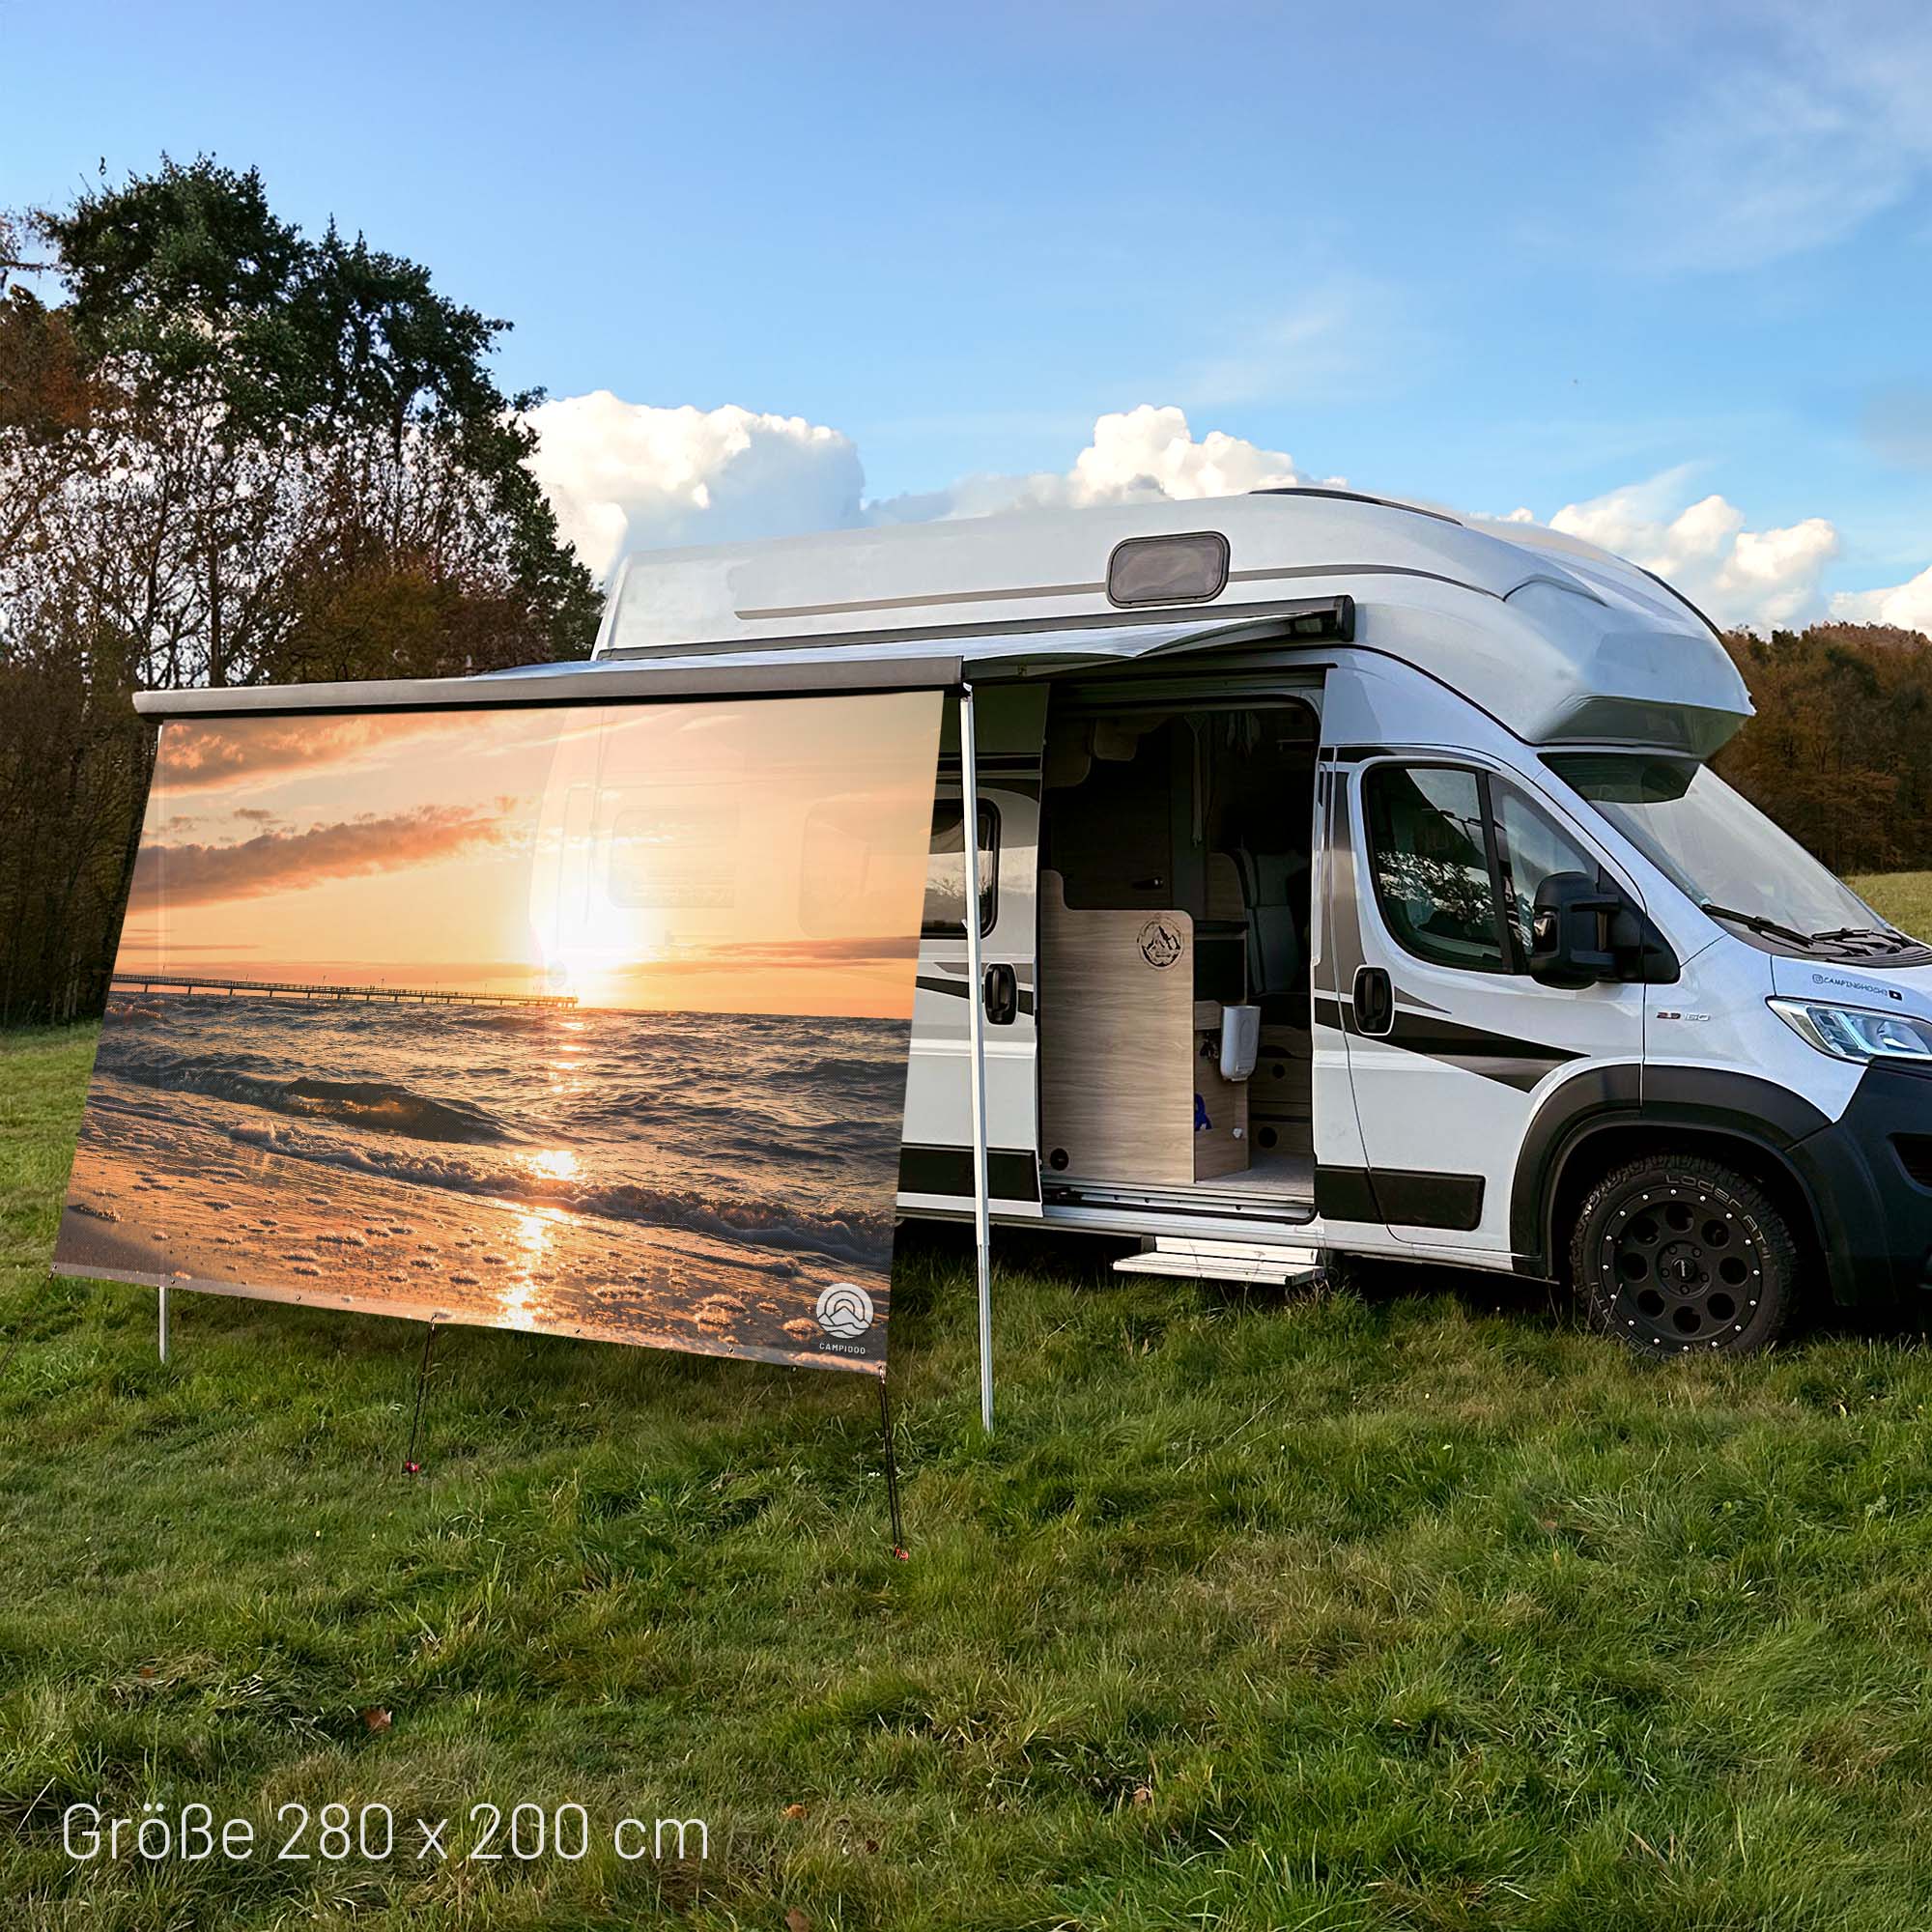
689	1152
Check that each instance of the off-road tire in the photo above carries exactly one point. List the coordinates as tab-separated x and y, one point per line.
1680	1254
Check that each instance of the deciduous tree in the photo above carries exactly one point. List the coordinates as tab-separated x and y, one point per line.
229	455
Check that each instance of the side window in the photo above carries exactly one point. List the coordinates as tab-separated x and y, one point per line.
1530	847
1429	858
944	915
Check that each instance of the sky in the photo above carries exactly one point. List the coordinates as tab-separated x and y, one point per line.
745	858
1657	272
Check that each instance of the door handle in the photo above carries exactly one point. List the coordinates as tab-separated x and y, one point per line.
1000	992
1375	1001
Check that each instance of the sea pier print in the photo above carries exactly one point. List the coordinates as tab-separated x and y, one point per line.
588	1020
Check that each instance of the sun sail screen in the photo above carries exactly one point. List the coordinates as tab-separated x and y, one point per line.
585	1020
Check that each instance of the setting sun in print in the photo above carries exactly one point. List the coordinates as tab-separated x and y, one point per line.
589	978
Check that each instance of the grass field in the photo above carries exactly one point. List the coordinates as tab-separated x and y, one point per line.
1408	1611
1903	898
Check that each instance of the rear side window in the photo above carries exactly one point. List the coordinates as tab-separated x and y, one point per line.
944	915
1430	857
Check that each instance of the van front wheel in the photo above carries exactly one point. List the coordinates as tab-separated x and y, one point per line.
1676	1253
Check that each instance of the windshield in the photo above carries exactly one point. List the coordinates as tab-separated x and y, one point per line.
1715	843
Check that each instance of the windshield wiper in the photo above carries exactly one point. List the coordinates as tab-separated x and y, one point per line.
1757	923
1899	939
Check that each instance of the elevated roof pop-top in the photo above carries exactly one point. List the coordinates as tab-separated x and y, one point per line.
1558	639
1042	566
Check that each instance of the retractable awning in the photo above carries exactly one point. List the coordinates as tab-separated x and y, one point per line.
921	664
1021	649
582	1017
581	683
714	681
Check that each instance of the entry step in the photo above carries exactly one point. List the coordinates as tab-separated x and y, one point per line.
1223	1260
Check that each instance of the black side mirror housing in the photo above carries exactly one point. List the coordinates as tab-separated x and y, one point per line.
1569	944
1582	931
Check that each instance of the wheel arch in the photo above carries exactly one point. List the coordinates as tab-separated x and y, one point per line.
1592	1120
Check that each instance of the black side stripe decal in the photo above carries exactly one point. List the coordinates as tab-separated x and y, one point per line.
1515	1063
1400	1197
1012	1174
991	761
1493	1055
957	987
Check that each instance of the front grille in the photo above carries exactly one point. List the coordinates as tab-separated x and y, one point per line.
1915	1155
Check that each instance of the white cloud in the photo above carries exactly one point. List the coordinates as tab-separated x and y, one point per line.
1138	454
1908	604
1752	577
1795	151
1151	452
627	476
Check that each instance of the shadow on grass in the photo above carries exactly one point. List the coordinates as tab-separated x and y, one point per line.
1087	1260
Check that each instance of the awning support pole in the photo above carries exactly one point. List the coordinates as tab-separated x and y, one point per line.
900	1550
411	1467
976	1033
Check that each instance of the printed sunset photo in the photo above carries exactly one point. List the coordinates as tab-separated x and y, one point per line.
588	1020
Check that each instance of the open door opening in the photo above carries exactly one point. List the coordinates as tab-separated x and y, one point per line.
936	1163
1174	929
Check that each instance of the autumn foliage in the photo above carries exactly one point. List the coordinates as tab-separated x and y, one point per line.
1840	751
231	454
228	455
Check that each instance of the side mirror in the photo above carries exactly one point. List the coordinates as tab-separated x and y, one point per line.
1570	941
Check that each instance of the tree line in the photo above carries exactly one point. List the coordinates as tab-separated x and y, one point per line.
1840	751
232	454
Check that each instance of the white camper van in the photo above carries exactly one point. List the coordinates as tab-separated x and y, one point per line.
1353	882
1350	881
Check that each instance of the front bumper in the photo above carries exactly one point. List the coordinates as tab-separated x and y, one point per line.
1876	1217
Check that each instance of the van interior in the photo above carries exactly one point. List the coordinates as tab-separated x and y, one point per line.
1174	940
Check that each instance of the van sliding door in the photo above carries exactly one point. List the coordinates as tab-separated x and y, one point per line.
936	1164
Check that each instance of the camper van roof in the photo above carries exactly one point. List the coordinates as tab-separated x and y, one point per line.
1557	640
1052	567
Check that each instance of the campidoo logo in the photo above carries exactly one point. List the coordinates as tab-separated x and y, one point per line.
844	1309
1160	944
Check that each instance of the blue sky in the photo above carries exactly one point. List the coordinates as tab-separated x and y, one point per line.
1491	257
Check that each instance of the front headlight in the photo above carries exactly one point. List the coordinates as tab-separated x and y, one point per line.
1850	1032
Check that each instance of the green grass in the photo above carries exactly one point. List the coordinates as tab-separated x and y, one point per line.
1903	898
1407	1613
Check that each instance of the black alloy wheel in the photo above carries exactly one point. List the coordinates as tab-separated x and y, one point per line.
1675	1254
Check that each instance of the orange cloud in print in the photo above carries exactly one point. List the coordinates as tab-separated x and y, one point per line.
278	862
754	856
198	754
